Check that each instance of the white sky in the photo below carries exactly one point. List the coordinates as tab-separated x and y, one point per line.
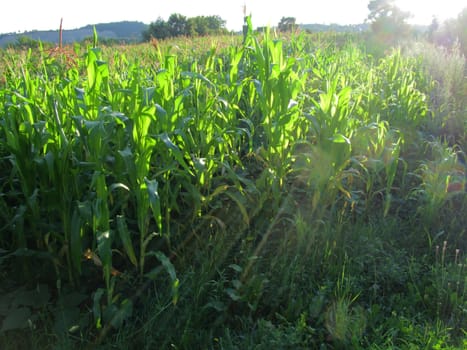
23	15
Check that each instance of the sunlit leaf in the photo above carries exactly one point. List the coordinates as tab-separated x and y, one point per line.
124	234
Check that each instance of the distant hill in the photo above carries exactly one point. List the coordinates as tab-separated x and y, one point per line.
127	31
120	31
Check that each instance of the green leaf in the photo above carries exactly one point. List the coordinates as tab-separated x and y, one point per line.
216	305
160	111
16	319
104	246
96	307
216	192
292	104
232	293
238	199
339	138
100	206
167	264
236	267
154	201
195	75
175	151
94	36
119	185
80	94
148	94
237	284
85	210
121	314
170	269
124	234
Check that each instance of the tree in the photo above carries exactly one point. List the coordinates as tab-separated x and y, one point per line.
25	42
178	25
388	22
208	25
286	24
158	29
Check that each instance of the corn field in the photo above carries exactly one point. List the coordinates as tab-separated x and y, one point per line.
115	162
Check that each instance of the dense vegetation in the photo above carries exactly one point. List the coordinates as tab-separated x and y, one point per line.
233	193
179	25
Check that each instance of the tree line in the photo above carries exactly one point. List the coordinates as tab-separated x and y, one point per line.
179	25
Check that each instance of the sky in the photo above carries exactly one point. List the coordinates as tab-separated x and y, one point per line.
25	15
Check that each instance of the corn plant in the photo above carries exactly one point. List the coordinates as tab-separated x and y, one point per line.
441	177
275	84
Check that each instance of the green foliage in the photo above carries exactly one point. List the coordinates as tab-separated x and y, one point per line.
158	29
24	42
206	25
178	25
229	193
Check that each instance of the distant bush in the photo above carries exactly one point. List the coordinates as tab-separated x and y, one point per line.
24	42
